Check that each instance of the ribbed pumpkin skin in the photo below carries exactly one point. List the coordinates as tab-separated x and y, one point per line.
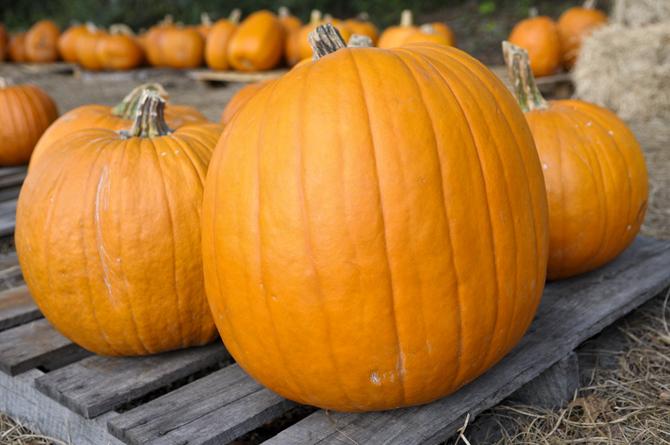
240	99
42	42
108	238
101	116
539	36
573	26
258	43
370	240
17	48
67	42
596	182
216	47
26	112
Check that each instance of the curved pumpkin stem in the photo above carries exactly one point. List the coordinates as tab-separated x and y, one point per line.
518	66
149	119
127	108
533	12
359	41
283	12
315	17
205	19
590	4
120	28
235	15
324	40
406	18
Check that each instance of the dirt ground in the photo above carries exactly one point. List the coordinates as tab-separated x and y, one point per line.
627	402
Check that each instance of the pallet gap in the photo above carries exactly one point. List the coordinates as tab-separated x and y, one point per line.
271	429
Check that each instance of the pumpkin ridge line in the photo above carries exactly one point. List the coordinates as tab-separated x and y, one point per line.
383	220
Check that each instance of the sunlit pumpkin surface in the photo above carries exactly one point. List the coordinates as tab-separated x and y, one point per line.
375	228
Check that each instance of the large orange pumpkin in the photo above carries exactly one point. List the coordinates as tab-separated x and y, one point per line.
67	42
594	172
539	36
108	223
375	227
26	112
4	42
17	48
258	43
119	50
42	42
574	25
396	35
216	47
116	118
87	48
362	26
240	98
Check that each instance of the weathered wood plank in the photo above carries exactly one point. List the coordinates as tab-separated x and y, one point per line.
571	311
17	307
11	176
552	389
7	217
236	76
215	409
35	344
10	272
99	384
20	400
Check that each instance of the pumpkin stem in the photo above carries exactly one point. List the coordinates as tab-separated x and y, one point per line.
120	28
406	18
283	12
127	108
315	17
590	4
235	15
150	118
363	16
533	12
518	66
359	41
325	39
427	29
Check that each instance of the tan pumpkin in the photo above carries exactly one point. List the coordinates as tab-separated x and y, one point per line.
87	48
258	43
395	36
539	36
67	42
218	39
240	98
26	112
362	26
574	25
119	50
375	197
127	206
16	48
42	42
594	172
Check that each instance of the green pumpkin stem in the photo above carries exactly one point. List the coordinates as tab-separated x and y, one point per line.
518	67
149	119
324	40
127	108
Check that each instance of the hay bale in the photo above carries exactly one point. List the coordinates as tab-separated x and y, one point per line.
627	70
640	12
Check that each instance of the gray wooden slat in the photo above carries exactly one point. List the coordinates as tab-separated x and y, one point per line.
7	217
213	410
99	384
35	344
10	272
571	311
17	307
10	192
10	176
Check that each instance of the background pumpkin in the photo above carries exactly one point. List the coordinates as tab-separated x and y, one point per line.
181	47
240	98
127	207
364	228
87	48
67	42
362	25
119	50
153	41
4	42
395	36
205	25
26	112
594	171
446	31
539	36
42	42
574	25
258	43
216	47
427	34
17	48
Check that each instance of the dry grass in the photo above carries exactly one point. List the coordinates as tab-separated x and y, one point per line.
13	433
640	12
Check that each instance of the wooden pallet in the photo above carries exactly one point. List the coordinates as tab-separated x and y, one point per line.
141	74
43	68
11	179
236	76
199	396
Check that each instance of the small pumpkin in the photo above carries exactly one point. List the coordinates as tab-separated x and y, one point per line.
339	193
362	26
539	36
4	42
87	48
258	43
240	98
289	22
574	25
67	42
119	50
395	36
427	34
594	171
292	26
205	25
27	111
17	48
218	39
446	31
127	206
115	118
153	41
42	42
181	47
